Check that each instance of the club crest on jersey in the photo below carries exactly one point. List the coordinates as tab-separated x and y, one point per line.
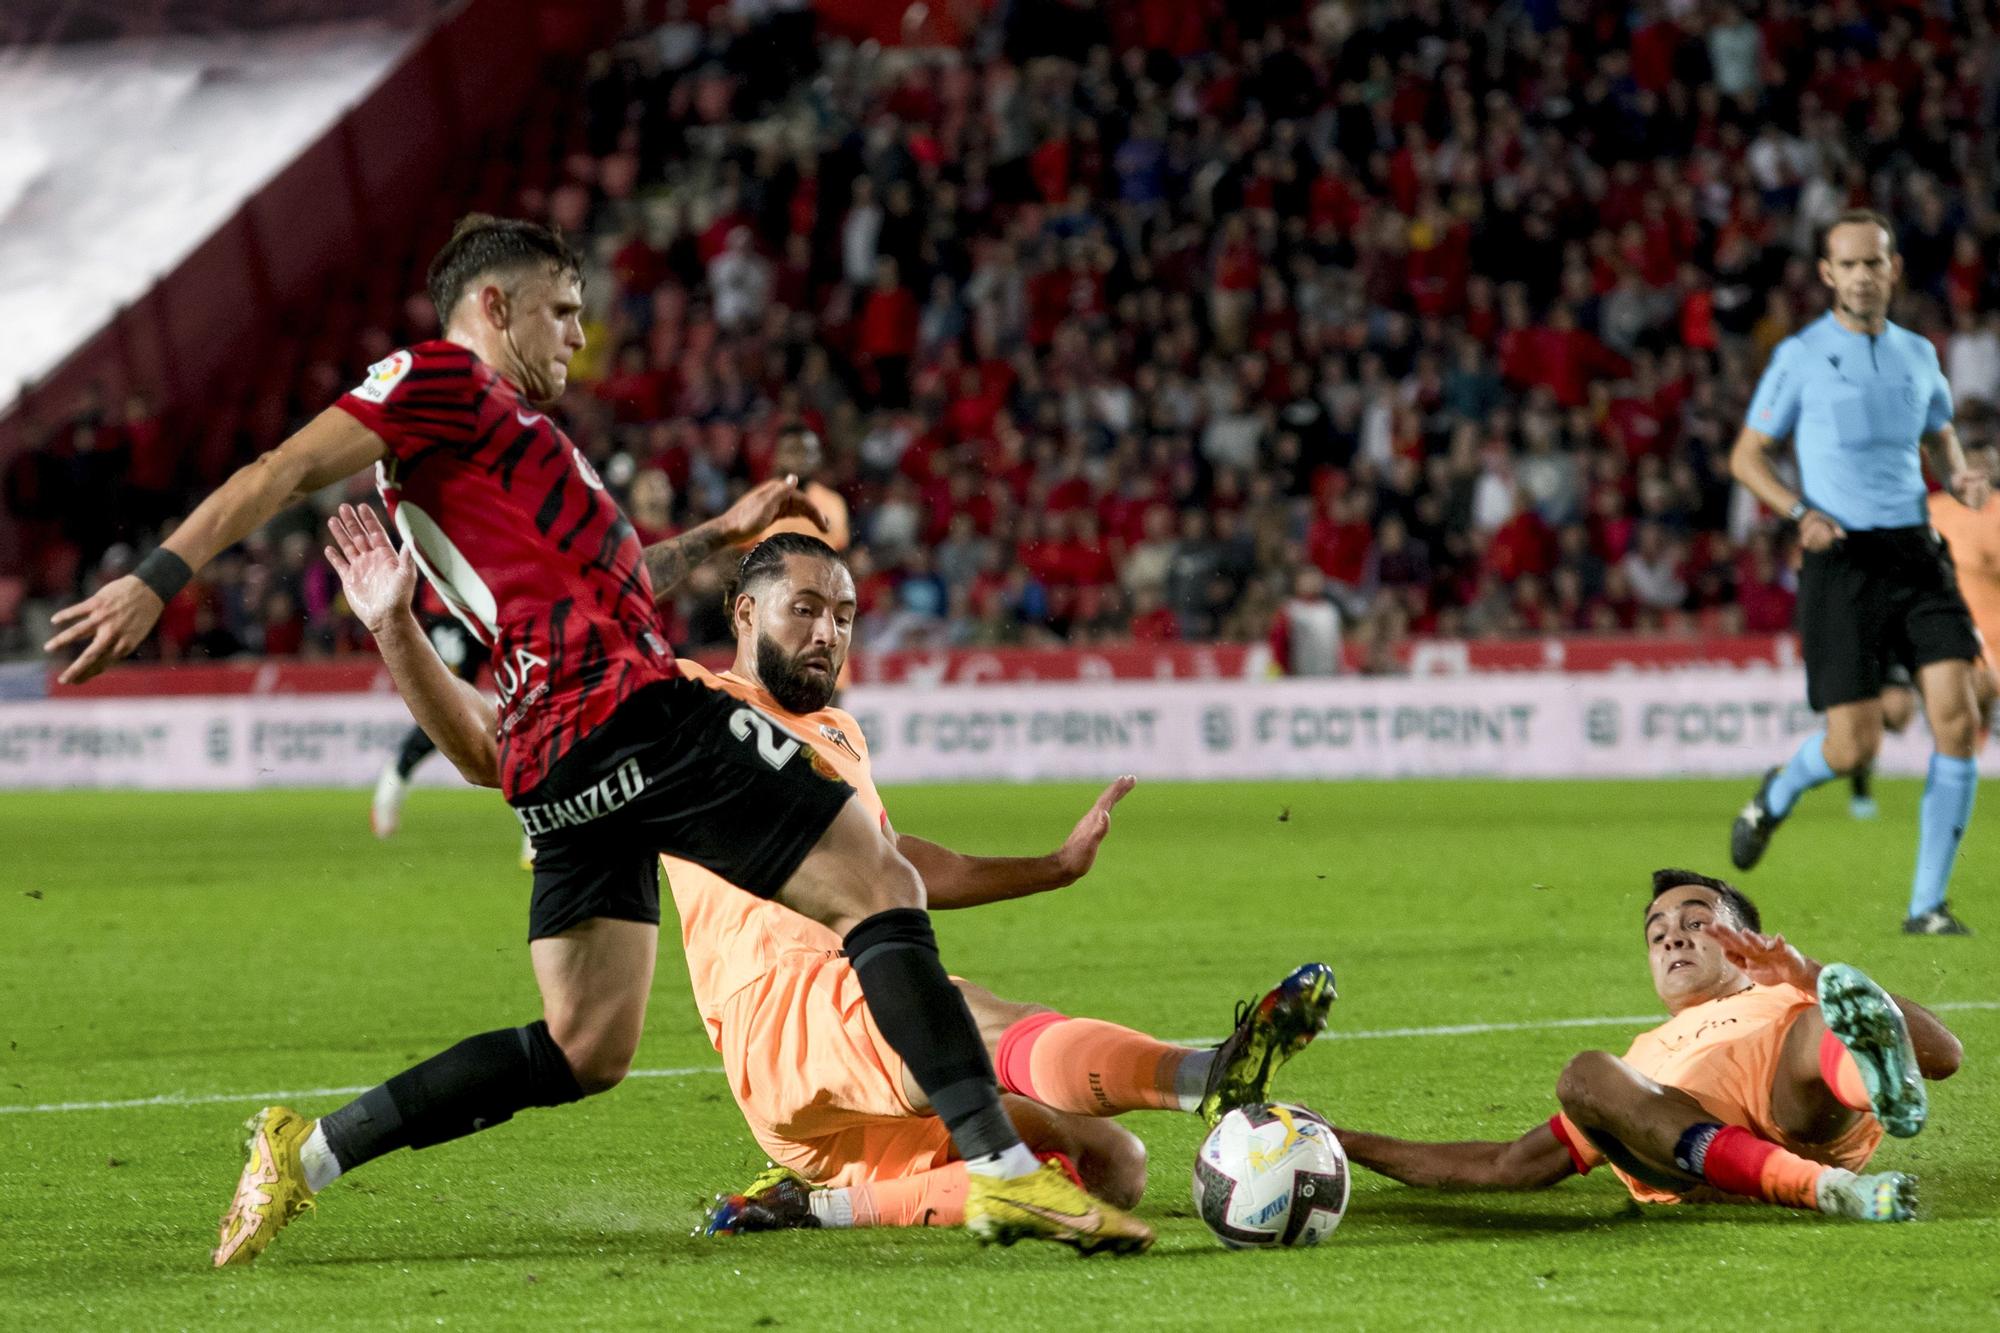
839	737
384	376
821	765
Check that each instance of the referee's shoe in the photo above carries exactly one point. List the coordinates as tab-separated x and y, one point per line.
1751	833
1937	921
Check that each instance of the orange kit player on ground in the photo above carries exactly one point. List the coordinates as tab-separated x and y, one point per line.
848	1130
1774	1079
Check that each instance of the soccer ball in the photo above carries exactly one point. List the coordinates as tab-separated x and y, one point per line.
1271	1176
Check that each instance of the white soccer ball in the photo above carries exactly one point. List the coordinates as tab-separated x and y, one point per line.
1271	1176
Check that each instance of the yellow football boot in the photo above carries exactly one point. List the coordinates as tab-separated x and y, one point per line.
272	1189
1048	1205
779	1199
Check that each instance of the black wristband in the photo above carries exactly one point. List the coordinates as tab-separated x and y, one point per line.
164	572
1798	511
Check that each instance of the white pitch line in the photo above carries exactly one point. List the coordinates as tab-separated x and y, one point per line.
1376	1034
290	1095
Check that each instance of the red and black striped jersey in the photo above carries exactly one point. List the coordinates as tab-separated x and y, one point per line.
512	526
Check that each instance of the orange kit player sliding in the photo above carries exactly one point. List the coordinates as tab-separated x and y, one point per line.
850	1135
1774	1079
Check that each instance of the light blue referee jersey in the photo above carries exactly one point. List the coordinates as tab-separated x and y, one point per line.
1855	406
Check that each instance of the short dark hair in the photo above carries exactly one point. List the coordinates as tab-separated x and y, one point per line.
481	243
766	560
1740	906
1863	216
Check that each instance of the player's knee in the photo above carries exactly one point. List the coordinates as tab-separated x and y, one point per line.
1852	748
880	883
896	883
1583	1085
600	1068
599	1060
1897	712
1120	1170
1956	730
995	1016
850	876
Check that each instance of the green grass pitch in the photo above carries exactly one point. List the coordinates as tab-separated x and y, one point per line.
203	949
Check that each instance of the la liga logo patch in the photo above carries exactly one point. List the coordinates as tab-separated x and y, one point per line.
383	377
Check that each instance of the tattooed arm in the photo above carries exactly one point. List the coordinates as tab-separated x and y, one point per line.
671	561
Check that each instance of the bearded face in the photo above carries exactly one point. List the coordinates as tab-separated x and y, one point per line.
801	682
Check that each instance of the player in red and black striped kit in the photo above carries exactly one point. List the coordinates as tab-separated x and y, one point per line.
607	754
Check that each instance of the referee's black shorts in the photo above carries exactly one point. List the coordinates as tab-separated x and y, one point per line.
682	769
1876	600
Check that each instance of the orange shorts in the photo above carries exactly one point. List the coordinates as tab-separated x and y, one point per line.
820	1087
1731	1076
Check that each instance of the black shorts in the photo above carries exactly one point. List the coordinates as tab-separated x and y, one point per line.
1875	600
682	769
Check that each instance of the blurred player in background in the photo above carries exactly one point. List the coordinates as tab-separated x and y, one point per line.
1863	400
1974	538
1899	706
849	1132
1774	1079
798	453
607	754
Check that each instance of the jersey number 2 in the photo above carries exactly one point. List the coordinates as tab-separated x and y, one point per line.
777	753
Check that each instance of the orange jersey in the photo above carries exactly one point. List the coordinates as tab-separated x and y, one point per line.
1974	535
829	504
1725	1055
733	938
820	1087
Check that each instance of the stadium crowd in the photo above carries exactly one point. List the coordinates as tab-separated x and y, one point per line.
1170	319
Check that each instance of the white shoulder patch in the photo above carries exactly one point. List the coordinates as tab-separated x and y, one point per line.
383	377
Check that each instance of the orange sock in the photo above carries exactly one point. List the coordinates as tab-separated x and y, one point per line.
1089	1067
1739	1162
1841	1075
927	1199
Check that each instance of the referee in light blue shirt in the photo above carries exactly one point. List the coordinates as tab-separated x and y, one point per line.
1862	400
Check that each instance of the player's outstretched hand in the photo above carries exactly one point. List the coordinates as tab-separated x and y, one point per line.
766	503
115	619
377	578
1766	959
1079	851
1972	487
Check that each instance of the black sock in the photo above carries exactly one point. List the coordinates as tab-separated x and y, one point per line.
417	747
475	1085
925	1020
1860	780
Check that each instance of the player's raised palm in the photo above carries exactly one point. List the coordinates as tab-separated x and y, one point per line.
377	578
765	504
1079	851
1766	959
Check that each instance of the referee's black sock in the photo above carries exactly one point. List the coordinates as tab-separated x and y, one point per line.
926	1021
475	1085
